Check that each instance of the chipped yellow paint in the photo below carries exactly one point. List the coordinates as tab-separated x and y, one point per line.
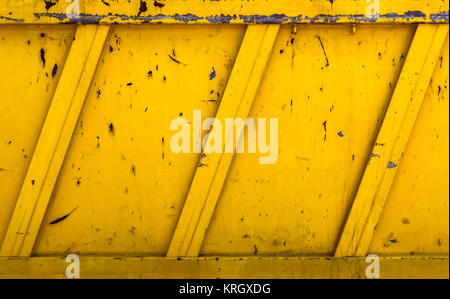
237	100
392	140
85	159
223	11
54	140
25	101
119	174
415	218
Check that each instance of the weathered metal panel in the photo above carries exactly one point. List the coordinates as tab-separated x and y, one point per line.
415	219
29	55
87	163
120	163
310	188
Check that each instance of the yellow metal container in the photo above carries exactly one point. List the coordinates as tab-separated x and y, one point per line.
87	167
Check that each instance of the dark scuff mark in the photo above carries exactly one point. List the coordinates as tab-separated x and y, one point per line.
111	49
32	182
133	170
324	124
142	7
55	70
256	250
43	56
162	144
111	128
324	52
106	3
340	134
63	217
175	60
159	5
12	19
129	84
49	4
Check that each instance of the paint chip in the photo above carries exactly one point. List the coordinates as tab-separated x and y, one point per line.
213	74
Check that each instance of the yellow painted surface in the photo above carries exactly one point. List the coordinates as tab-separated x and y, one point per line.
27	90
85	159
224	268
415	219
302	200
130	173
222	11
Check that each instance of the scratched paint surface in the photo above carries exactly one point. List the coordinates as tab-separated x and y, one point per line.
329	88
221	11
121	190
27	85
117	169
120	165
415	219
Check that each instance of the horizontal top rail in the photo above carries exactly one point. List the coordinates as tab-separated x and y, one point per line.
224	11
